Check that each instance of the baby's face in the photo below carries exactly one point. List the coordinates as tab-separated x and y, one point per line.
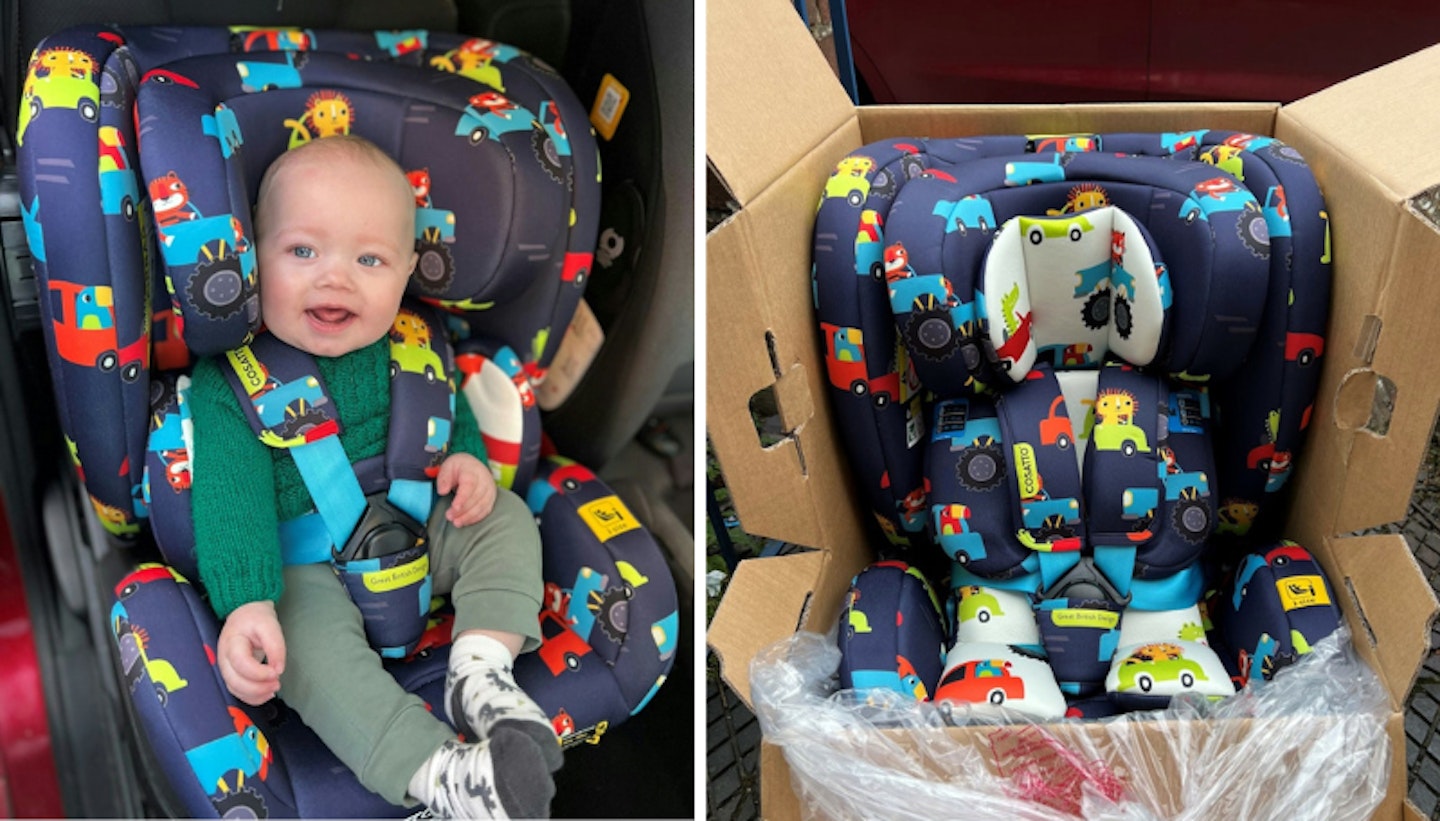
336	250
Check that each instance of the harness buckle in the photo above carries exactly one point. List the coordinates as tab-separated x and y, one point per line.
1084	580
383	530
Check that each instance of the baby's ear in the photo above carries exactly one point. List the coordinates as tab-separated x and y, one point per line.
414	260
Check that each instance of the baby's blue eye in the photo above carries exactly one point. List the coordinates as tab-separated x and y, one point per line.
303	251
369	260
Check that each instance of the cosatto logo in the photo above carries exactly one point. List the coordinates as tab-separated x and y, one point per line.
1025	471
252	376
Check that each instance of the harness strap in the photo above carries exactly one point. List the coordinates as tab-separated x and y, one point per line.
412	496
332	484
1046	476
289	407
1086	526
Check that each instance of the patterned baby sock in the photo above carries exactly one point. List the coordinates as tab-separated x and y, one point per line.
504	776
481	696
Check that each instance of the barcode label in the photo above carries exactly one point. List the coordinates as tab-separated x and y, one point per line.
609	106
609	102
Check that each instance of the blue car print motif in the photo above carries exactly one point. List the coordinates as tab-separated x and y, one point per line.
1026	173
491	114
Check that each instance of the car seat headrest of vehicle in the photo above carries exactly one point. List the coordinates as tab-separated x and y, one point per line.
1088	284
492	176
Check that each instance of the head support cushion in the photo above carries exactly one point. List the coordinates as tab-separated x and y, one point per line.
1073	288
497	188
1194	220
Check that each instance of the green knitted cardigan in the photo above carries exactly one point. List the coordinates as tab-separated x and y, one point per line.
242	489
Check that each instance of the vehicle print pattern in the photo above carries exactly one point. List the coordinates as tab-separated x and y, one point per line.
188	79
1275	278
903	648
1157	450
173	100
1278	604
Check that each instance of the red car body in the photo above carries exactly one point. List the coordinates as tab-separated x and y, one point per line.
911	52
1055	428
561	647
576	268
1303	348
980	682
96	346
1287	553
568	478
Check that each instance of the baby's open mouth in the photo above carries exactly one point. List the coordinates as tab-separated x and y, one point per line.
330	316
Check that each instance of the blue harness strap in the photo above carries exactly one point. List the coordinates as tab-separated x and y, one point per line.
289	407
1118	527
332	484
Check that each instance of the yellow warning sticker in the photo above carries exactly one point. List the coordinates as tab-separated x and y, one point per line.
608	518
1302	591
609	107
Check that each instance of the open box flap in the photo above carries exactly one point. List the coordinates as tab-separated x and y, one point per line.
763	604
1384	120
1367	138
793	485
765	71
1383	593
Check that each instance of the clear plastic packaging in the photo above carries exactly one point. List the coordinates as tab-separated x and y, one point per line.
1311	744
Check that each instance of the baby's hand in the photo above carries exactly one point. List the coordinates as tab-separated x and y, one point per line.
252	632
474	487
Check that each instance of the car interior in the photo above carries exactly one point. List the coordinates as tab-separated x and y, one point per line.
629	417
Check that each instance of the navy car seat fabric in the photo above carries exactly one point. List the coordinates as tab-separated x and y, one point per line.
891	634
1238	223
140	154
526	244
609	626
1277	606
1007	490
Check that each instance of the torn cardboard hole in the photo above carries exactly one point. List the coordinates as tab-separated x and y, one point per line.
1426	206
1365	402
779	411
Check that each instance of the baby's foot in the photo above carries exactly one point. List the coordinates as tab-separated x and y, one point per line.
481	696
503	776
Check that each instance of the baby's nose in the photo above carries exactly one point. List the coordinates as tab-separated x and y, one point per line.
336	274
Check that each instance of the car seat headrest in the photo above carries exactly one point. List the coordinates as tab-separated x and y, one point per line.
1070	289
497	187
945	219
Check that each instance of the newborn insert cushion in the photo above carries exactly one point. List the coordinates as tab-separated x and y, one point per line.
1072	288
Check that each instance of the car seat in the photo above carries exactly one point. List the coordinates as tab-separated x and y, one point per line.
1272	316
141	148
998	270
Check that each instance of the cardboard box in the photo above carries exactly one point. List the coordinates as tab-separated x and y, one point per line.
777	122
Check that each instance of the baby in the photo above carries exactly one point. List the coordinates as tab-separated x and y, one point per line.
335	234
